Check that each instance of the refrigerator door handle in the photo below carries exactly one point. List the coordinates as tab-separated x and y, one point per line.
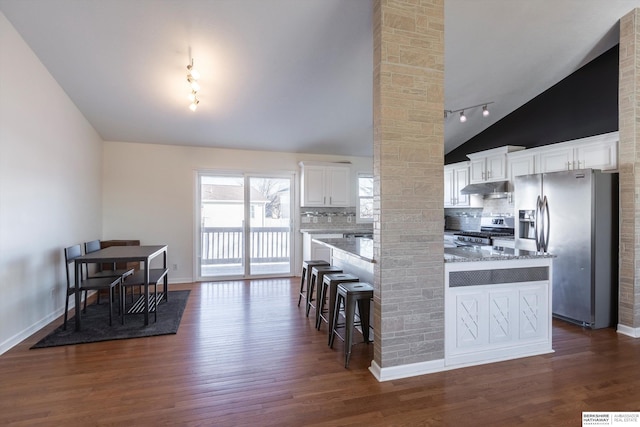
538	219
547	224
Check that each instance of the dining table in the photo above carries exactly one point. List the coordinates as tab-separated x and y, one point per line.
115	254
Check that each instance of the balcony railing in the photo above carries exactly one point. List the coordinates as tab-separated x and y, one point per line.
224	245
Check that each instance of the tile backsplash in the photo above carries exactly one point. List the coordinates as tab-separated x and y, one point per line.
455	218
462	221
469	218
329	218
498	206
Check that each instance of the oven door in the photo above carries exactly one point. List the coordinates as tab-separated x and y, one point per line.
460	244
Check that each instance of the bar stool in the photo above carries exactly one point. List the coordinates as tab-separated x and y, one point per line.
350	294
317	276
330	288
305	280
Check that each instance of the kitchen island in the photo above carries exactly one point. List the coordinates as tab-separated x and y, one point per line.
353	255
497	304
497	300
315	250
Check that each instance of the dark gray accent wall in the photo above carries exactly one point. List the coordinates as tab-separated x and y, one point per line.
581	105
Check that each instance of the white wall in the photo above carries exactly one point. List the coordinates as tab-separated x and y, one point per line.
149	192
52	193
50	188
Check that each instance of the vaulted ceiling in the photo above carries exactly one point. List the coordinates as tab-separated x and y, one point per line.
291	75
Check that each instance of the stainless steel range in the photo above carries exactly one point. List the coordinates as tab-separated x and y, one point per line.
490	227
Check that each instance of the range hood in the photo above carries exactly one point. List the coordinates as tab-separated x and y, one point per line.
493	190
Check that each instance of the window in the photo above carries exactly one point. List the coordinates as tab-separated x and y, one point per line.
365	198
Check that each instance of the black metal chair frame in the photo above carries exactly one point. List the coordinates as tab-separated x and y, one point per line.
138	279
86	283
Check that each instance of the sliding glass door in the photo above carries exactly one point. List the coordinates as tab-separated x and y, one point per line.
244	226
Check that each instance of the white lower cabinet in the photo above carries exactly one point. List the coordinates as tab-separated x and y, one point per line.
320	252
316	251
492	322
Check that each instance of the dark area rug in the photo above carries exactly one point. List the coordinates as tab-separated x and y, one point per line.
95	324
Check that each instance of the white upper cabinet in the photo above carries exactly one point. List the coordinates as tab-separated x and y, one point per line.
325	184
449	177
490	165
556	159
521	163
596	152
456	177
505	163
339	184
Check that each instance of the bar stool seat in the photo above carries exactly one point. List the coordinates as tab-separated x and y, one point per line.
352	294
330	289
317	276
305	278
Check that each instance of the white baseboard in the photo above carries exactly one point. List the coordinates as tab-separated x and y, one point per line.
16	339
26	333
628	330
179	280
433	366
405	371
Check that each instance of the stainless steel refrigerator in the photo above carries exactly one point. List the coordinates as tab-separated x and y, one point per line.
574	216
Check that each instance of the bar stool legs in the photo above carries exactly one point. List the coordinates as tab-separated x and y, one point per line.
351	294
317	276
330	289
305	277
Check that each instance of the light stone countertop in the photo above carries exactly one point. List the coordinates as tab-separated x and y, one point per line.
359	247
336	230
489	253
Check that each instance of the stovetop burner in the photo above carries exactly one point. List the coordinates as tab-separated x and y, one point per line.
490	227
487	234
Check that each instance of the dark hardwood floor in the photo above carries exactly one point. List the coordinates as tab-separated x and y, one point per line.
245	354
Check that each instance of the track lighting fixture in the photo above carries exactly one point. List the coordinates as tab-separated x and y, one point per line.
192	77
463	116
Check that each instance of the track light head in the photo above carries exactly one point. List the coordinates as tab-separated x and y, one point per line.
192	77
463	117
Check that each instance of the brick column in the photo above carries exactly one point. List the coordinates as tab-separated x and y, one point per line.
408	158
629	111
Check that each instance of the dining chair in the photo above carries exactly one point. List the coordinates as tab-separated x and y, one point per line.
137	279
123	273
85	283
